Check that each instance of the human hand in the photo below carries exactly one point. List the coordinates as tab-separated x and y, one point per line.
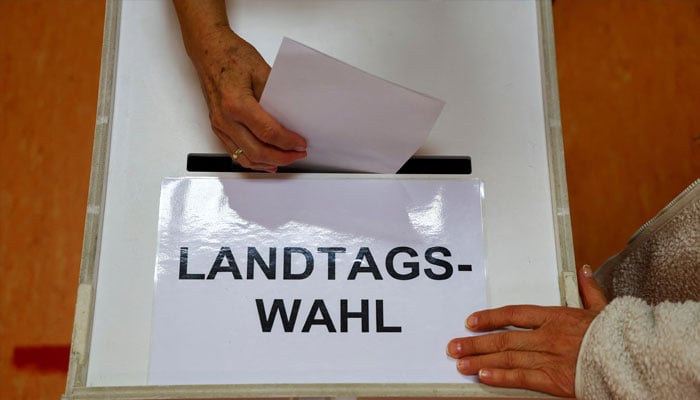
232	75
542	358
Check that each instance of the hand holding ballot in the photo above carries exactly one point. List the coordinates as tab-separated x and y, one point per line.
232	75
335	105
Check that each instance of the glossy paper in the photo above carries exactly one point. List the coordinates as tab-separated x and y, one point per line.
302	280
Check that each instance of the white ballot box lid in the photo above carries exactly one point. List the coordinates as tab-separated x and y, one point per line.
493	64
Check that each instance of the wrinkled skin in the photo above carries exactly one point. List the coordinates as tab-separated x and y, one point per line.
232	75
543	356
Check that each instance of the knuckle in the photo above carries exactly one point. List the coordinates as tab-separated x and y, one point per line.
232	105
477	344
511	359
217	122
254	155
502	341
518	377
512	313
267	133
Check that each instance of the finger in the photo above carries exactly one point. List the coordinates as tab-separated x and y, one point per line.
259	78
502	360
245	162
591	293
524	379
242	159
494	343
260	153
267	129
255	151
521	316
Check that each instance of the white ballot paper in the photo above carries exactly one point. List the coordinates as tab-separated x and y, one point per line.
273	279
352	121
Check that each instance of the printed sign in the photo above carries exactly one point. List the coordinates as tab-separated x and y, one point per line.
292	279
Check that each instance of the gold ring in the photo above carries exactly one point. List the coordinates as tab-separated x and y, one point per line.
236	154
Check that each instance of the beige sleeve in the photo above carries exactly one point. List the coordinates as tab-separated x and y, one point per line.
636	351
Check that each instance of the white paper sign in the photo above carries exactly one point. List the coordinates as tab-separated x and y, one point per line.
352	121
287	279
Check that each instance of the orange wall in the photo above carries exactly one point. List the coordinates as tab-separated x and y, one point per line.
630	99
629	83
49	69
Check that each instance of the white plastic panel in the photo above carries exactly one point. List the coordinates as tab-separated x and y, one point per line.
481	57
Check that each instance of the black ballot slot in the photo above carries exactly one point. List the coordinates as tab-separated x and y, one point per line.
439	165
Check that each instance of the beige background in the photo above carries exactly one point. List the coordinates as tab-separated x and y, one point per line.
630	99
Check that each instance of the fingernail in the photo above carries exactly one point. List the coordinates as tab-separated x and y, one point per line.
472	321
463	364
484	374
587	272
454	349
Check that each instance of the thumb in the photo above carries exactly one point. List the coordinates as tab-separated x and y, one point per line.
259	77
258	83
591	294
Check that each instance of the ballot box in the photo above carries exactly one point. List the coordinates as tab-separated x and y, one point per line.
308	285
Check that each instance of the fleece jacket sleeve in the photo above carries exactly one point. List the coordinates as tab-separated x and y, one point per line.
634	350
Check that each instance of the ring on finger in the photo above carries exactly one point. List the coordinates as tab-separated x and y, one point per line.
236	154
